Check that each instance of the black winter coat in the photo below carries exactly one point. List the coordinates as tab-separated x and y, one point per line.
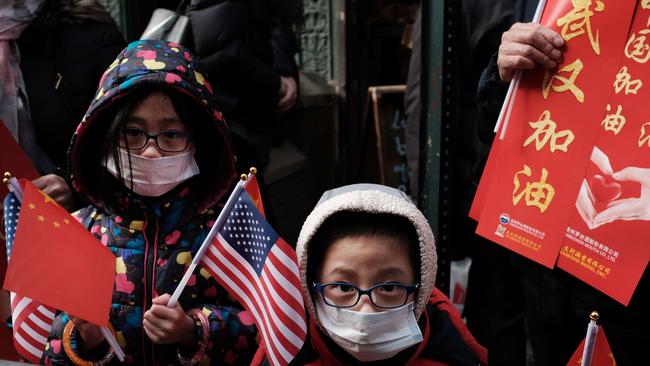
233	41
62	60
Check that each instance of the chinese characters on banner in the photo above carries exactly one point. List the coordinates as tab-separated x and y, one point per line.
604	245
543	163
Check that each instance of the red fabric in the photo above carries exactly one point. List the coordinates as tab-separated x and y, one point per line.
13	159
260	355
48	241
441	301
3	251
602	355
7	351
253	190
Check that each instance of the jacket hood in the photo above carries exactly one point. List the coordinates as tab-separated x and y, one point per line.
370	198
145	64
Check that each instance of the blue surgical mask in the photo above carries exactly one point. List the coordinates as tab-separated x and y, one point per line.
370	336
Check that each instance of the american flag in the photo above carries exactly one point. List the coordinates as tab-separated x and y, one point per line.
31	321
250	260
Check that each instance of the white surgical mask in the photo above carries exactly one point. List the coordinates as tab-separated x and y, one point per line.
153	177
370	336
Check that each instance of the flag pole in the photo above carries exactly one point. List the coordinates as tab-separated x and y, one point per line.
590	339
511	95
12	184
208	239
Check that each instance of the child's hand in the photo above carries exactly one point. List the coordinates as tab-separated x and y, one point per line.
90	333
57	188
166	325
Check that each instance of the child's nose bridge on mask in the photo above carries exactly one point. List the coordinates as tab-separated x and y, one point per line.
150	149
365	305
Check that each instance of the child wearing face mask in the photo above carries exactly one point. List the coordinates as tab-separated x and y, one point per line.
367	262
152	156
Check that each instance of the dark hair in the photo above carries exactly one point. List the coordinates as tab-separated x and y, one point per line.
352	224
104	134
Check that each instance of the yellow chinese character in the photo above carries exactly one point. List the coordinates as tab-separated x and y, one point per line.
614	122
537	194
574	22
624	81
645	4
545	131
636	47
645	134
566	83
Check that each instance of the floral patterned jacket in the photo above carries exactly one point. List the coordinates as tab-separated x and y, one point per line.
154	240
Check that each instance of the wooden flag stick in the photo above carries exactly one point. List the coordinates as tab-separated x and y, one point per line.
208	239
14	186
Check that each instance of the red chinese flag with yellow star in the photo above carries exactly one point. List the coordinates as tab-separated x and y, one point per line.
602	354
57	262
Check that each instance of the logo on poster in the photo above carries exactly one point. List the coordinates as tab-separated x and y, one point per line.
500	230
504	218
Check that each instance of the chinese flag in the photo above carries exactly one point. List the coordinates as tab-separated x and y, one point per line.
253	190
57	262
602	355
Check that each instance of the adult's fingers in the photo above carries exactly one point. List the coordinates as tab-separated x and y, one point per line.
527	51
509	64
542	38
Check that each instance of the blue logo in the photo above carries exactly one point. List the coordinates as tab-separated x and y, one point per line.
504	219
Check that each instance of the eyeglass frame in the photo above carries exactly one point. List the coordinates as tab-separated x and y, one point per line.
360	292
155	139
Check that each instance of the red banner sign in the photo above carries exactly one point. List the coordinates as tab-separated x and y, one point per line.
578	131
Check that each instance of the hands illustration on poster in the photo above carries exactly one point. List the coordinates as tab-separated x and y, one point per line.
604	190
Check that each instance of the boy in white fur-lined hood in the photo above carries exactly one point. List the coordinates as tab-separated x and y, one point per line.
367	261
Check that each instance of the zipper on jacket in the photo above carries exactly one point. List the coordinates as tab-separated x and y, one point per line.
151	239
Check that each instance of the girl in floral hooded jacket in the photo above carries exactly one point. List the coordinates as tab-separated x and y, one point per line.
152	155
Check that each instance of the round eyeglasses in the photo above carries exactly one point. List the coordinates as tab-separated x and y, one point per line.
168	141
385	295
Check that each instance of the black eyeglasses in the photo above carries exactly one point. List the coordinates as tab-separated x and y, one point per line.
168	141
387	295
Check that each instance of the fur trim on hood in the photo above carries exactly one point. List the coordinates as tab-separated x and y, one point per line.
370	198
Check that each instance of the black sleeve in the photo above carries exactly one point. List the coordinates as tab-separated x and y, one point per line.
490	96
285	46
220	39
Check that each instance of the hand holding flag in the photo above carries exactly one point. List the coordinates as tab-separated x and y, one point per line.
259	269
47	240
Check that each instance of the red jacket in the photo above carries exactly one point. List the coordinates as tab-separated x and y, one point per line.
447	341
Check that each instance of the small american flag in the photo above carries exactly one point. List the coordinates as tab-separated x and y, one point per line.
31	321
250	260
